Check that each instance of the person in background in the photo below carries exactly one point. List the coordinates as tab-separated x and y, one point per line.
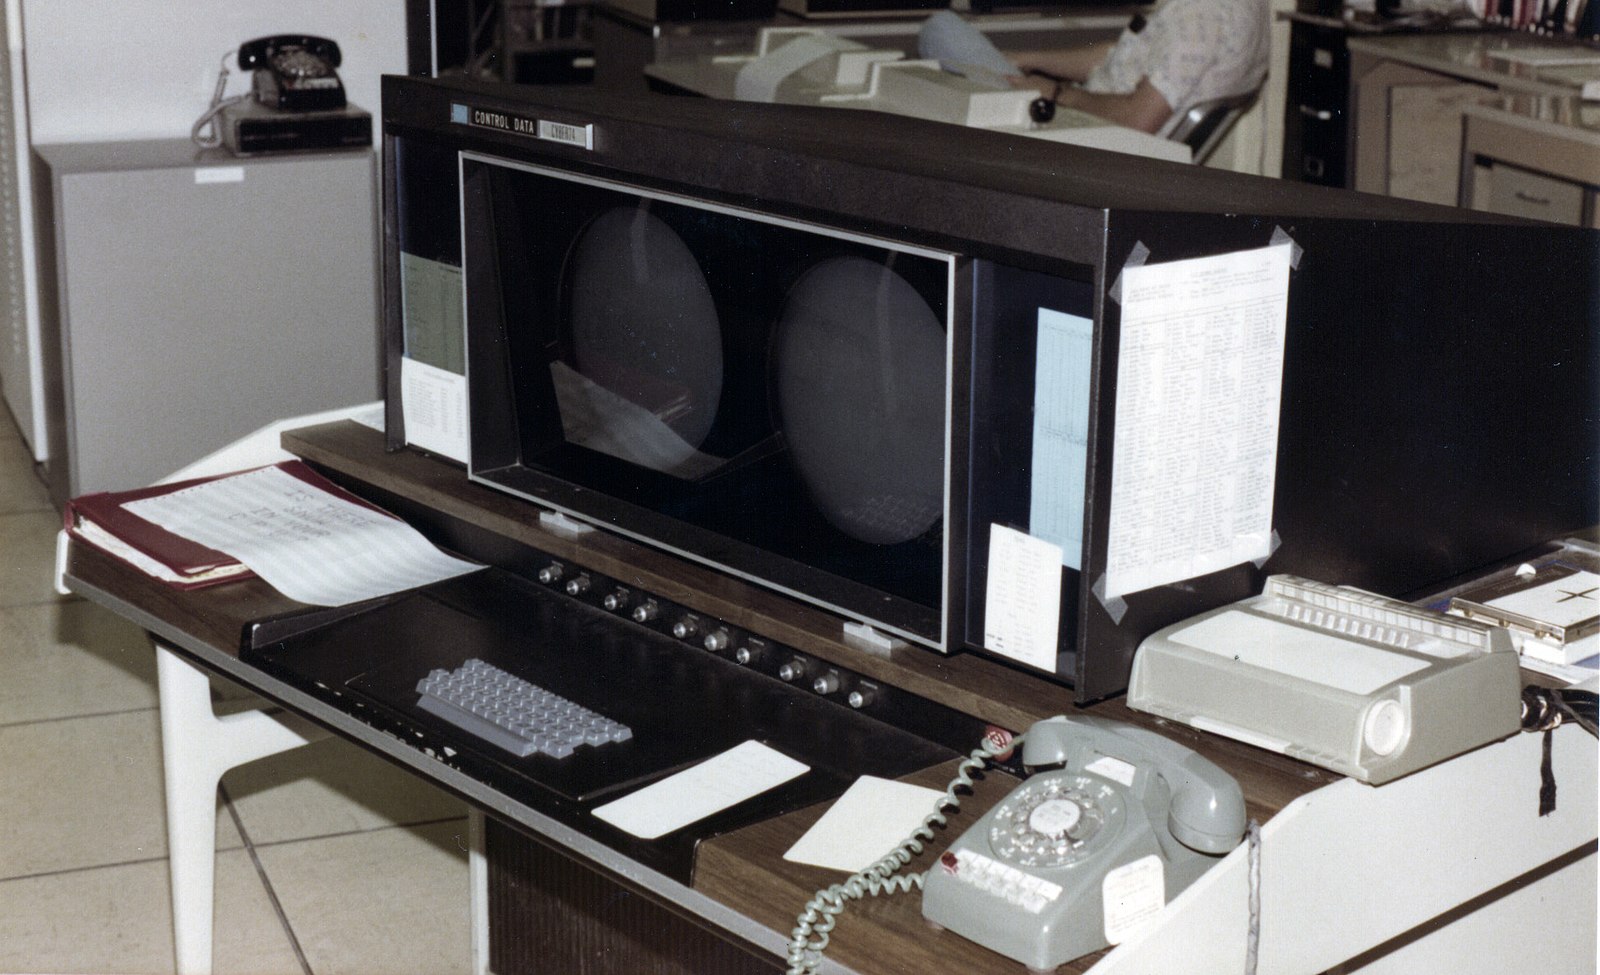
1186	52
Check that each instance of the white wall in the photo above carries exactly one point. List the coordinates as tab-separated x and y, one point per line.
103	70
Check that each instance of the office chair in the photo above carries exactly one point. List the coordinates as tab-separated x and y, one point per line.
1203	125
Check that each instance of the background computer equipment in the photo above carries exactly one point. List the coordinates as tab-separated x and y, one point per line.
683	415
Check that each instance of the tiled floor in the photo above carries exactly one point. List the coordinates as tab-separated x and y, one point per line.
330	861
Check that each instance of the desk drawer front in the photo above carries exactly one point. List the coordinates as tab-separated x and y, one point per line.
550	913
1523	193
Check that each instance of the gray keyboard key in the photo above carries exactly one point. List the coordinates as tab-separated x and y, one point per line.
512	713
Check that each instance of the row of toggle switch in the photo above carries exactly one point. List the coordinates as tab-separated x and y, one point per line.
713	635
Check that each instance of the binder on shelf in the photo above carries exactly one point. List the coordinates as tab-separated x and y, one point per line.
102	520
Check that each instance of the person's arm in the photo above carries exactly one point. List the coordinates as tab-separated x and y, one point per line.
1071	63
1144	108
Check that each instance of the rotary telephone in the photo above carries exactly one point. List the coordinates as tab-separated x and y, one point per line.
1115	821
294	72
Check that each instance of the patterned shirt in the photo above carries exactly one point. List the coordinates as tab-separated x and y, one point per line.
1192	51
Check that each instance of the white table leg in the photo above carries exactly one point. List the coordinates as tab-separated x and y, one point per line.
197	747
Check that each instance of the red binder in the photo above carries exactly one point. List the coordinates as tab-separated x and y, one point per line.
101	520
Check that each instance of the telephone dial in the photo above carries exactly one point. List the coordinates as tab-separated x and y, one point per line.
1115	821
294	72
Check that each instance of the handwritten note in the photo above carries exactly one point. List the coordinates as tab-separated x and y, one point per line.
310	545
1199	387
740	773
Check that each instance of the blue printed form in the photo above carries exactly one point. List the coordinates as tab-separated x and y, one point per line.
1061	432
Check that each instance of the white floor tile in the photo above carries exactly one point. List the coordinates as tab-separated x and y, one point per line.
119	919
387	901
28	557
20	487
327	788
70	658
85	792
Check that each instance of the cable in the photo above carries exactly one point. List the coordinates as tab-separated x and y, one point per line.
815	924
1580	706
1545	708
218	103
1252	944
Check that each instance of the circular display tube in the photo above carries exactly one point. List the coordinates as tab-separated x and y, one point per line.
860	363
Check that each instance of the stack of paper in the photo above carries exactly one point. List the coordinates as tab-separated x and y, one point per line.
308	538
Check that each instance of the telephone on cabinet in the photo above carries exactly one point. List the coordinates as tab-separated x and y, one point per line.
1114	821
294	72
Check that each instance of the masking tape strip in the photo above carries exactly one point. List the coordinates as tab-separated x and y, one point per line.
1272	547
1116	608
1136	258
1281	236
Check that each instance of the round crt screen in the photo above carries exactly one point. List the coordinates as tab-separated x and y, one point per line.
643	323
860	360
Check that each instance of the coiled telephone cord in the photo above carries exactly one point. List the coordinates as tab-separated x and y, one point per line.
198	133
814	926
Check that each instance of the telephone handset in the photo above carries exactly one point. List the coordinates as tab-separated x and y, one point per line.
294	72
1116	821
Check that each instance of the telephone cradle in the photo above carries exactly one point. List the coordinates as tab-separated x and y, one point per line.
1117	821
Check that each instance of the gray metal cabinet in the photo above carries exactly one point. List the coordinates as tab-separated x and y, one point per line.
190	296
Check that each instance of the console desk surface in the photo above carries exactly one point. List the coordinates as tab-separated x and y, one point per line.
1407	92
1508	61
741	884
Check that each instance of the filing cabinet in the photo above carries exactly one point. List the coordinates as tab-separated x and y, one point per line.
189	297
1316	110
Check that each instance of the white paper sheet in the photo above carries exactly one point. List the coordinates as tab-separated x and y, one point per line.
306	543
1199	386
865	824
1022	598
434	405
740	773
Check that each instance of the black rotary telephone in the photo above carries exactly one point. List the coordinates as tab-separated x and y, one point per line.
294	72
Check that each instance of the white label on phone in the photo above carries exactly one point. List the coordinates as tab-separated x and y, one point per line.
1133	894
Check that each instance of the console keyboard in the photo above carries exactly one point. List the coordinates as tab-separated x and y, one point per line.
512	713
